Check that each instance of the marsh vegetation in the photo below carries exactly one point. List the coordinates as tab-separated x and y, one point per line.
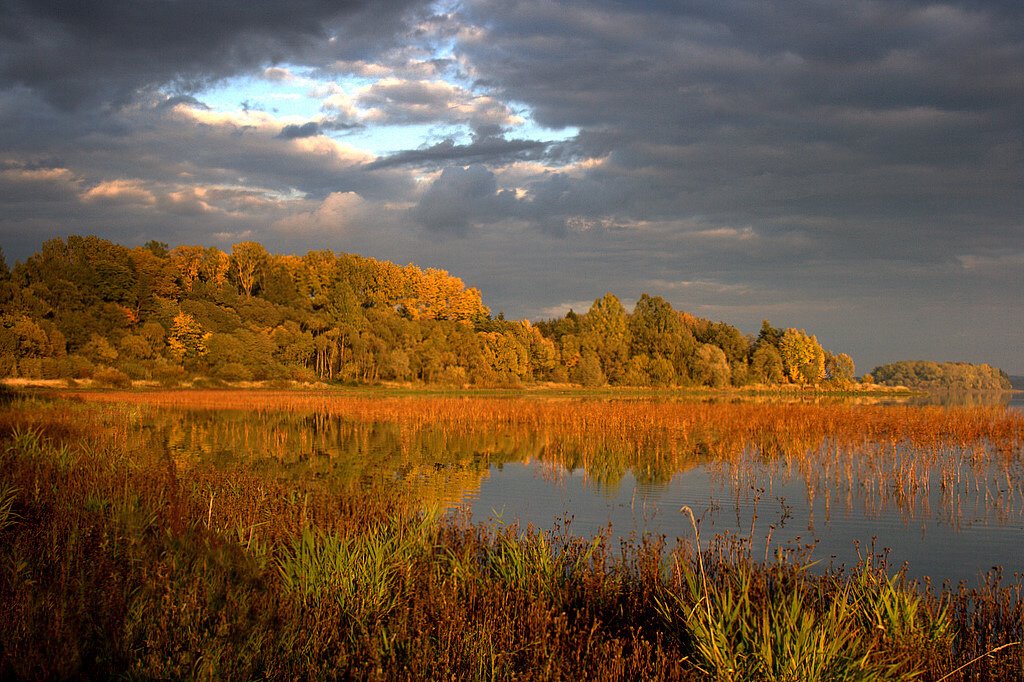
318	545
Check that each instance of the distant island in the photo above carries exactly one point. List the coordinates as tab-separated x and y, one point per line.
84	308
942	376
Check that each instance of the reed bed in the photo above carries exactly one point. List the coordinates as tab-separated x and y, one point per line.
880	457
727	427
115	560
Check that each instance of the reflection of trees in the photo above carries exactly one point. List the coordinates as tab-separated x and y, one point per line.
351	453
917	460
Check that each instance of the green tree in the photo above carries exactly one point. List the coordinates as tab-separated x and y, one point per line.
710	366
636	371
658	331
769	335
587	372
766	365
605	333
839	368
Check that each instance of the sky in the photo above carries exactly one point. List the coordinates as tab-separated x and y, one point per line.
853	168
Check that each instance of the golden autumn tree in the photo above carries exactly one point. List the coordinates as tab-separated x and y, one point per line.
248	260
388	284
187	339
803	359
440	296
187	262
215	266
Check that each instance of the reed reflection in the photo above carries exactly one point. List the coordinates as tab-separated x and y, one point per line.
960	466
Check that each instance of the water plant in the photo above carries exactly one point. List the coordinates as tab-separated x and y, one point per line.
120	565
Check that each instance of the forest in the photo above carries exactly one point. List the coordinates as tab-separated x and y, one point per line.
86	308
951	376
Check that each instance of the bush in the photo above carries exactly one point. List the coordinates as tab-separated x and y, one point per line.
588	372
78	367
108	376
233	371
30	368
168	374
135	369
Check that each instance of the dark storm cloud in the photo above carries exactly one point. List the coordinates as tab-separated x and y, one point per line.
861	149
460	198
778	115
294	132
312	129
174	101
491	150
106	51
799	160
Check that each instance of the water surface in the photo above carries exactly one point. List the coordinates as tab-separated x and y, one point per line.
948	511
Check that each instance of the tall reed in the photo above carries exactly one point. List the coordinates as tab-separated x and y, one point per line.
118	561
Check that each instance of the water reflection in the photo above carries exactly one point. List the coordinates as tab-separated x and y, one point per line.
943	491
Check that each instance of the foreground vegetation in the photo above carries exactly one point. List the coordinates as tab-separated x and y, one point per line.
115	560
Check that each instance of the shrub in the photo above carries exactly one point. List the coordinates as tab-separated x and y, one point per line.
109	376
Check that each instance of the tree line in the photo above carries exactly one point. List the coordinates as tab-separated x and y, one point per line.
949	376
84	307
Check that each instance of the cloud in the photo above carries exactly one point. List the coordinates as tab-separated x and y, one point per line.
479	151
397	101
187	100
815	157
292	132
460	198
119	192
313	128
334	216
106	52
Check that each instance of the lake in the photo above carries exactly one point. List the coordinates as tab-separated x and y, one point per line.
939	489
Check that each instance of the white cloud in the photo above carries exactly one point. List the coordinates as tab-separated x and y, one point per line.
990	264
398	101
336	214
120	192
41	175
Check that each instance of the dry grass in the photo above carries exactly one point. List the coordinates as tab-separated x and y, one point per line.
881	457
117	560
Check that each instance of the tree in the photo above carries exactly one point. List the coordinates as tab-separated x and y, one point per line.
154	278
215	266
710	366
100	350
436	295
803	359
839	368
731	340
659	332
157	248
946	376
605	332
769	335
187	339
766	365
587	372
505	355
636	371
187	262
248	260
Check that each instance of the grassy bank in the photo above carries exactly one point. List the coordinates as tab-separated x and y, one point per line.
115	561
